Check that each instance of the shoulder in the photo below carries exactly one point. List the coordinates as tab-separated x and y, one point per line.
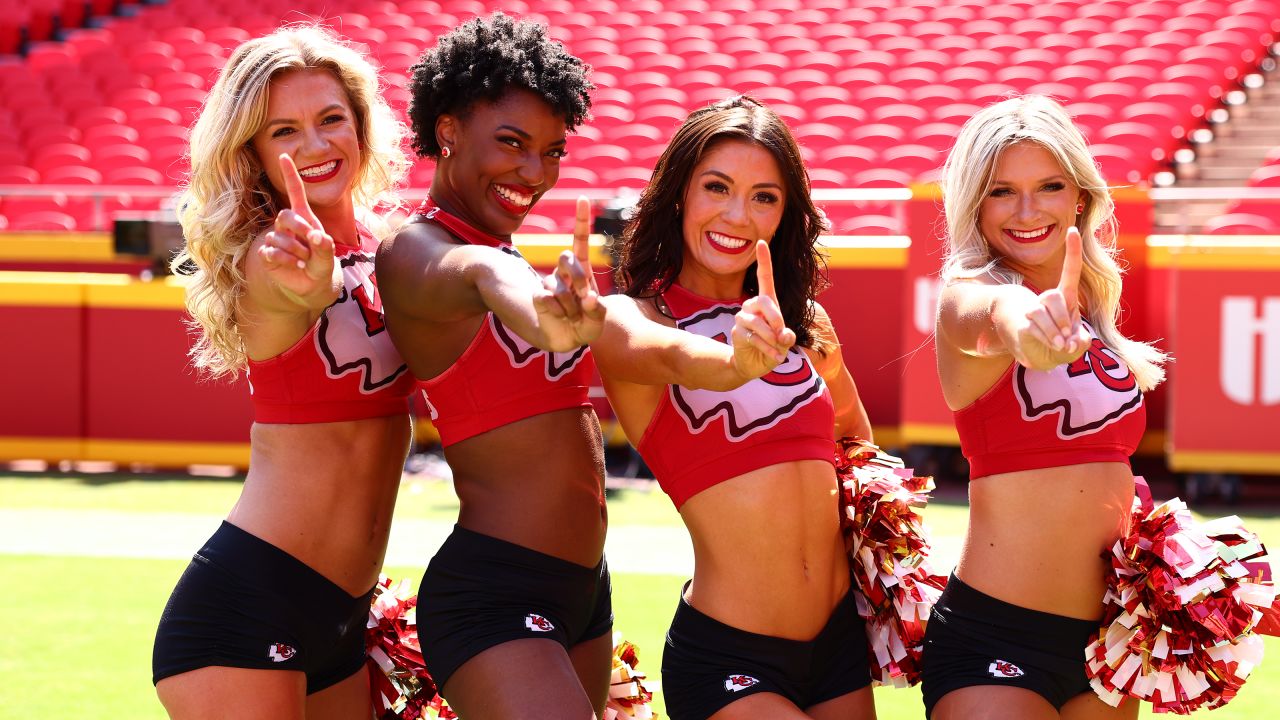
822	327
621	307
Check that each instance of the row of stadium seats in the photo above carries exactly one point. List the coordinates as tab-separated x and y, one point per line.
875	93
1254	216
25	21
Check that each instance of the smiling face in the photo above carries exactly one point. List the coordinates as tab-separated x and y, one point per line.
735	196
1026	212
309	117
503	156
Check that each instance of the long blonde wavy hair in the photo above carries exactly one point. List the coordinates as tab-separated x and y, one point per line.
228	200
966	179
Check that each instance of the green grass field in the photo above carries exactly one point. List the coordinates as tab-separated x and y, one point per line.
78	630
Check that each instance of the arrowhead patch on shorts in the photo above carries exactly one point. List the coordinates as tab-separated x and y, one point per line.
279	652
537	623
734	683
1004	668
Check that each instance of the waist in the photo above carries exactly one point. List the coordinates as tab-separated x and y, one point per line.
793	605
1036	538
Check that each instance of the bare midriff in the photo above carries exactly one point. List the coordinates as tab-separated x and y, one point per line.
325	493
1037	538
536	482
768	553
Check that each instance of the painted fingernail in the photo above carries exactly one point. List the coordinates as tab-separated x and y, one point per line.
1057	342
301	265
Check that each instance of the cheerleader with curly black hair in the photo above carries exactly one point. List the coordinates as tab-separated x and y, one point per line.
514	610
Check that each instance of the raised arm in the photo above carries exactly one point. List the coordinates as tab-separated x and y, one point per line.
984	318
425	274
851	416
290	269
636	347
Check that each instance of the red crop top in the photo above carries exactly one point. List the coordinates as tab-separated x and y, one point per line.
1090	410
345	367
700	438
500	378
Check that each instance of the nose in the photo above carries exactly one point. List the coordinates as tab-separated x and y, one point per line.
313	142
1027	209
531	172
735	211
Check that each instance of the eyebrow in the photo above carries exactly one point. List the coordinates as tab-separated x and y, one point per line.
524	135
719	174
1041	180
286	121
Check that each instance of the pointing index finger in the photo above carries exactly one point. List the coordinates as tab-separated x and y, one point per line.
1072	261
297	192
764	271
582	231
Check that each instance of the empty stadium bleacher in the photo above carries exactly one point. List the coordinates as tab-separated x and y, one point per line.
874	89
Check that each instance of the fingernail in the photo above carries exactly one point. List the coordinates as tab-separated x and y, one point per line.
301	265
1057	342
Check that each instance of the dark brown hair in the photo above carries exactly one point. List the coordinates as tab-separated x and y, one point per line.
652	251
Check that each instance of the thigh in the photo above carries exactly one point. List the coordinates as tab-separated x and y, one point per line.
218	693
1088	706
520	679
593	662
857	705
760	705
993	702
347	699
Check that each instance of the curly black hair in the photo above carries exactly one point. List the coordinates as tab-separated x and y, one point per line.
480	60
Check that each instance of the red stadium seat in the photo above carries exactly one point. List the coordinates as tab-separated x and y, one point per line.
47	221
134	176
576	176
72	175
1265	176
1241	224
13	174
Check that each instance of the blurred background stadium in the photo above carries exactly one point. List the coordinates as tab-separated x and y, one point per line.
1179	100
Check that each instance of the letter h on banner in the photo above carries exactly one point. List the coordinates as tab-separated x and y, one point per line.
1243	330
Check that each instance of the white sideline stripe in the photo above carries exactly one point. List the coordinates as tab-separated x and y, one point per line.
646	550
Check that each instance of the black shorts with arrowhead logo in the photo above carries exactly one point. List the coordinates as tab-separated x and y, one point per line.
974	639
243	602
706	664
479	592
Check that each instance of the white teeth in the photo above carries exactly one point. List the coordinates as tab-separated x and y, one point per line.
318	170
1028	234
514	197
727	241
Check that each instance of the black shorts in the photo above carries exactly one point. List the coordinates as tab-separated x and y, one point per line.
245	603
974	639
479	592
707	664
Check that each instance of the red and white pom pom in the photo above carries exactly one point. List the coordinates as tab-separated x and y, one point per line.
628	696
889	554
399	683
1181	611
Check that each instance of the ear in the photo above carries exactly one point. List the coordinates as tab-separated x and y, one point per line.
446	130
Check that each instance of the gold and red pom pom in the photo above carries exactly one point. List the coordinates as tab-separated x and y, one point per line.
400	685
628	696
889	555
1183	605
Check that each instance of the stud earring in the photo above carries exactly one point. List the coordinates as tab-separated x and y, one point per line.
445	152
1079	208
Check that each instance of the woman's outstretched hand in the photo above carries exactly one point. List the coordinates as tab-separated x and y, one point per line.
760	336
570	313
297	253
